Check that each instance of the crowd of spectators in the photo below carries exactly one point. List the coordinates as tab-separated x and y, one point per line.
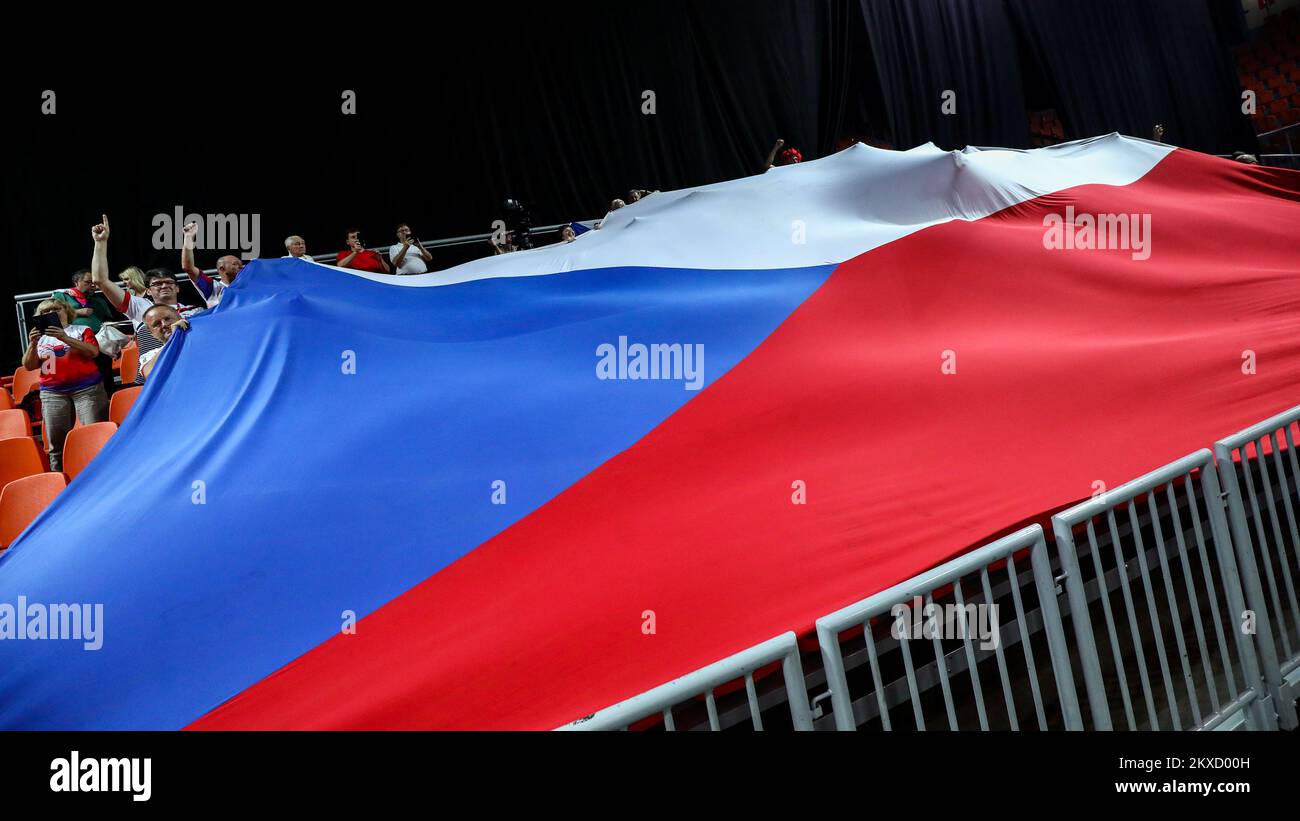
74	332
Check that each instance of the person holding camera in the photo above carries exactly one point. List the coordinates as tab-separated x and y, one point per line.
504	244
359	258
408	255
71	386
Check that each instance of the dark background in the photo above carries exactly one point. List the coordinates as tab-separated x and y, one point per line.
455	113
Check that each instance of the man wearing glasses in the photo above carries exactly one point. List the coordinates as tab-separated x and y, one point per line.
160	289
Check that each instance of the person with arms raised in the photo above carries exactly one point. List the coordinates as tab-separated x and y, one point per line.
160	285
228	267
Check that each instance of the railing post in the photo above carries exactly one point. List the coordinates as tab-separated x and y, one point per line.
1041	565
833	665
1232	588
1270	675
1082	619
796	690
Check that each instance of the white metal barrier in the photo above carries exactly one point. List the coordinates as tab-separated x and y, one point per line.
1214	647
948	646
1093	546
1190	584
1268	551
703	682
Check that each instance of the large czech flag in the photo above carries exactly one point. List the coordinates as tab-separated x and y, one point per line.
513	493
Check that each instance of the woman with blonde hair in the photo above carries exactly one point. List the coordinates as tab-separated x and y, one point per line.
132	280
71	385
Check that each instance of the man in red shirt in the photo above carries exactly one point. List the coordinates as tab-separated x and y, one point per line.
357	257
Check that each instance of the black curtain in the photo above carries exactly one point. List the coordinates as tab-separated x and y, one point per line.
456	112
924	48
563	124
1120	65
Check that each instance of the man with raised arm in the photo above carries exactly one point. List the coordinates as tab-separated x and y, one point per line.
160	289
228	267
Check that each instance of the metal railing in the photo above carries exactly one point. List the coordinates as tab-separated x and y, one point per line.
703	682
1164	569
1283	134
1263	542
1272	160
944	584
1244	699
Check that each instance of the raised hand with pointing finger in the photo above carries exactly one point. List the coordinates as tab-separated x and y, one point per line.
99	233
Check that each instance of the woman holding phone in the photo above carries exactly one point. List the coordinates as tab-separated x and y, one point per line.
71	386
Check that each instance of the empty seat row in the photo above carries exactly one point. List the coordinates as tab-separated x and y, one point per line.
28	488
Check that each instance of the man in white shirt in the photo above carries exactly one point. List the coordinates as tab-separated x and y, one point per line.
160	287
297	248
408	255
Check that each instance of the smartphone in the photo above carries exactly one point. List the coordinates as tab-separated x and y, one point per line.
46	321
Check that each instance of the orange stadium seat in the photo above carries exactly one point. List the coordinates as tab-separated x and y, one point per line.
6	401
22	500
24	382
120	405
83	444
130	362
19	457
15	424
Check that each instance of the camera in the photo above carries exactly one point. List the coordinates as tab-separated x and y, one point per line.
520	222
